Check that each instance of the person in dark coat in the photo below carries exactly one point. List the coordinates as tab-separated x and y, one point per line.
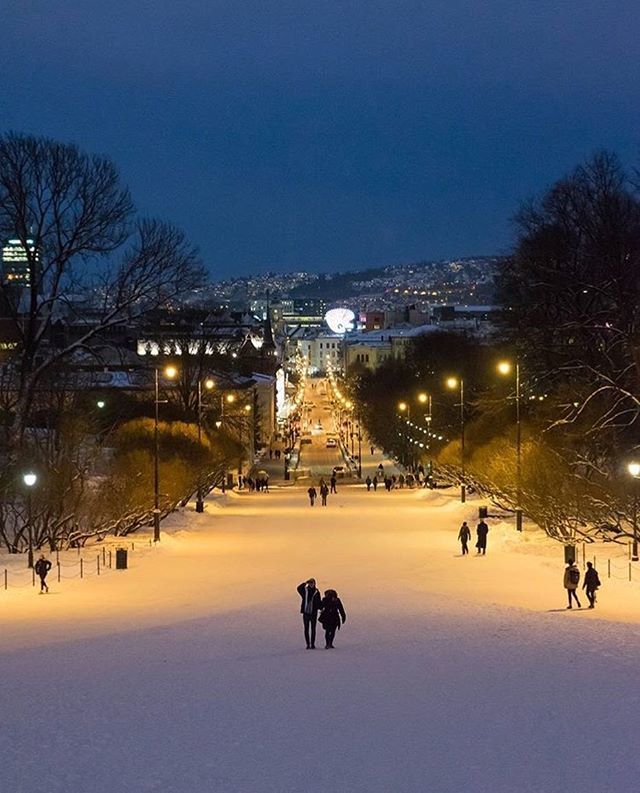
368	483
333	481
464	535
309	606
591	584
375	483
313	494
482	530
324	492
570	582
42	567
332	615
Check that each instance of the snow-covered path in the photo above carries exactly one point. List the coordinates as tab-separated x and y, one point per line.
188	673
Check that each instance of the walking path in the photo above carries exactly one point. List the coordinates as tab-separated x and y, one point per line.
188	672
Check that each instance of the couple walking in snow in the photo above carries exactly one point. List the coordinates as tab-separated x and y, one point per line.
572	579
329	607
464	535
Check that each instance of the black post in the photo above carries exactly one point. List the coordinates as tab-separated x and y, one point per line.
156	470
199	500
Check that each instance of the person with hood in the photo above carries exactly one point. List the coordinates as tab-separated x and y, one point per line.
313	494
591	584
571	580
332	615
464	535
482	530
324	492
42	567
309	606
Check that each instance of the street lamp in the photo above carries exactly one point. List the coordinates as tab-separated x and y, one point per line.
454	383
101	404
29	480
506	368
169	372
208	384
634	470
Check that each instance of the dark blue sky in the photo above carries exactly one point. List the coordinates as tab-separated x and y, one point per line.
326	135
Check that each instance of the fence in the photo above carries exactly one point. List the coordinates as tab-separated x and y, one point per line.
63	568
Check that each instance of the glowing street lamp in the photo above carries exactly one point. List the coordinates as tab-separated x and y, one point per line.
170	372
506	368
29	479
634	470
453	383
101	404
209	384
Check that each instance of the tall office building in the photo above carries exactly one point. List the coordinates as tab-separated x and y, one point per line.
16	268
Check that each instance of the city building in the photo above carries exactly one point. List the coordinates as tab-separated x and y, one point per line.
16	262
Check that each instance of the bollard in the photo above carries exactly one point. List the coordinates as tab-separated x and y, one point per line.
33	577
6	583
57	556
109	557
150	543
98	563
608	568
629	551
59	568
133	546
104	557
81	569
629	571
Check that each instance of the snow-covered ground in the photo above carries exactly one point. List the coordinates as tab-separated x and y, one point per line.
188	672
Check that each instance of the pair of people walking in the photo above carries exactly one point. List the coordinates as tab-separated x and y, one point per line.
329	608
464	535
571	580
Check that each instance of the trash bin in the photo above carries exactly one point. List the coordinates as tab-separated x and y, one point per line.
483	512
569	554
121	558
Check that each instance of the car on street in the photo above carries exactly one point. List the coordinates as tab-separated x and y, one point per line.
331	443
338	470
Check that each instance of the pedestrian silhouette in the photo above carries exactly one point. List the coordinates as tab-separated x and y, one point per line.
332	615
591	584
464	535
571	580
42	567
309	605
324	492
481	531
313	493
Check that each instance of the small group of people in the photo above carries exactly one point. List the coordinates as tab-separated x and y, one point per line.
324	491
259	484
464	535
327	610
571	580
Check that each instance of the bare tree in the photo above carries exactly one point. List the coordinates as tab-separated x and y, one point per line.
76	223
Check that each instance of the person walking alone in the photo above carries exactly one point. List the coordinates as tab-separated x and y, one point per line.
332	615
313	494
309	606
324	492
464	535
42	567
481	531
591	584
333	482
571	580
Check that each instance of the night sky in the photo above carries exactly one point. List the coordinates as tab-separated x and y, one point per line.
328	135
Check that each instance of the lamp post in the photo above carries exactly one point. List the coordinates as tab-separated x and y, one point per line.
29	480
634	470
455	383
505	368
405	408
169	372
208	384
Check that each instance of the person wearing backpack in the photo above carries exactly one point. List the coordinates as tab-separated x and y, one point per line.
571	581
591	583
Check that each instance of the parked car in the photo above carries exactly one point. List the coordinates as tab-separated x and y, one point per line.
338	471
331	443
